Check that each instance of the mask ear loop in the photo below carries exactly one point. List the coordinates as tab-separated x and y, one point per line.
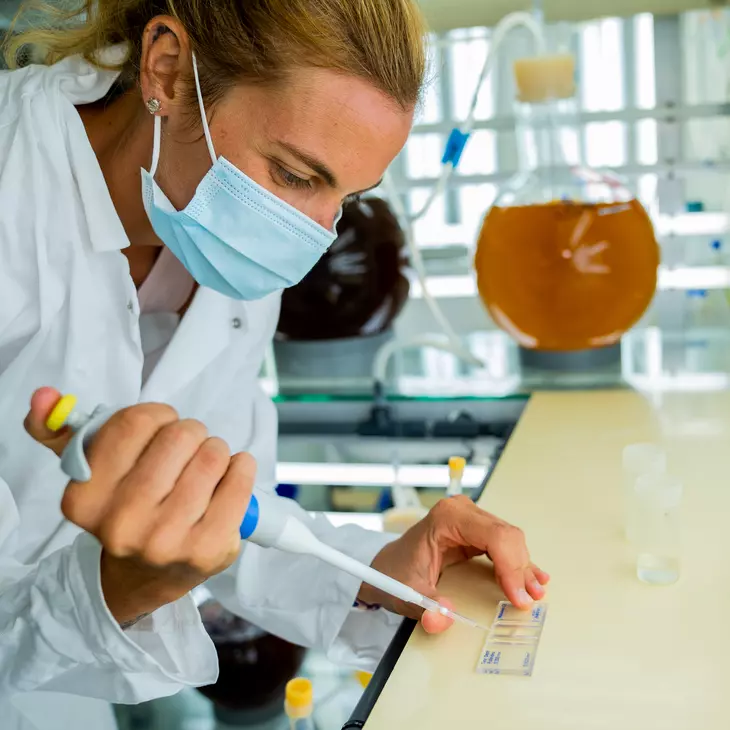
156	145
206	130
203	119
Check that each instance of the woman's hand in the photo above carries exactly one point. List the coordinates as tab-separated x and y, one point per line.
165	501
453	531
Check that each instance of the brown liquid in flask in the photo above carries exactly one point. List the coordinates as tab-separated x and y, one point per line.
567	276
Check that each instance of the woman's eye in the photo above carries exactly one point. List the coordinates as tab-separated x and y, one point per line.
290	179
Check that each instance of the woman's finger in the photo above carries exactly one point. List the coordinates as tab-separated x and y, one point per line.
157	469
541	575
230	500
190	498
118	489
42	403
508	551
512	581
436	623
533	585
463	524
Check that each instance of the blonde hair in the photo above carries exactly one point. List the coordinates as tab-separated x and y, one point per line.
255	41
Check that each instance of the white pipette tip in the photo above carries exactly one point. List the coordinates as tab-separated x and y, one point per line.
430	605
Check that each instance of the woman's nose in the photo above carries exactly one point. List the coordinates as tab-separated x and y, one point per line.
328	219
326	213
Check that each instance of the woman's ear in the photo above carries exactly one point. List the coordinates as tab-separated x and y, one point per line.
165	62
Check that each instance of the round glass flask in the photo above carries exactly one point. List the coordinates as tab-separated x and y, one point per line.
567	258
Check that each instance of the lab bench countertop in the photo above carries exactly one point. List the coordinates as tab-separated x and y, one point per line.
614	653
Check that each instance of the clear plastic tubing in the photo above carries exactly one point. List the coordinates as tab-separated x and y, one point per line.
659	498
638	460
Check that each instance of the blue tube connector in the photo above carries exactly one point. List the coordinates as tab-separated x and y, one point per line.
454	147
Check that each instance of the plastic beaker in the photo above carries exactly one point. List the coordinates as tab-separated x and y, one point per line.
659	497
638	460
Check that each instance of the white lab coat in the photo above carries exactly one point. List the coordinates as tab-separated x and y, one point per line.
69	318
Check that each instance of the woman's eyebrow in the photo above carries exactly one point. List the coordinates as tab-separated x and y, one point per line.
312	163
319	167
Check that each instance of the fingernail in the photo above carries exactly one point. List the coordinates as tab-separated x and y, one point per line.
525	597
537	586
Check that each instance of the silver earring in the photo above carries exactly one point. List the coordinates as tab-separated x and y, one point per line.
153	105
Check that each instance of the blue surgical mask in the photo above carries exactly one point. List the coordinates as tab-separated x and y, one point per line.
234	236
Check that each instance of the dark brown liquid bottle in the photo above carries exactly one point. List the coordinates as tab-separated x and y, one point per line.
254	667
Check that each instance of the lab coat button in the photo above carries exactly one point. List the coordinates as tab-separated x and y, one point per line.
130	306
236	322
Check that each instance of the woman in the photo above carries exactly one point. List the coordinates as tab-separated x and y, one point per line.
257	119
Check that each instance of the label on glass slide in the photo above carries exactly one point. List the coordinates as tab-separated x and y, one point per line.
509	614
512	640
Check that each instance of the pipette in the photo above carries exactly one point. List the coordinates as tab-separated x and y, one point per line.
266	522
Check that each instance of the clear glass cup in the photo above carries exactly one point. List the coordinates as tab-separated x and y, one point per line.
638	460
659	498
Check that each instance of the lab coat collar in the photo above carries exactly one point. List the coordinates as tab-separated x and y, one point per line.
80	82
